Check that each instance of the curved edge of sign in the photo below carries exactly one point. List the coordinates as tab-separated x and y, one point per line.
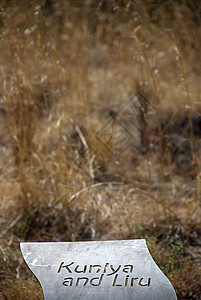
22	245
162	274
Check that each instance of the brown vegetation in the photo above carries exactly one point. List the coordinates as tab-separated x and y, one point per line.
100	131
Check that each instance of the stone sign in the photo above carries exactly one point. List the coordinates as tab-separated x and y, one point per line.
97	270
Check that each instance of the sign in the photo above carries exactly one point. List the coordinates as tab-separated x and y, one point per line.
97	270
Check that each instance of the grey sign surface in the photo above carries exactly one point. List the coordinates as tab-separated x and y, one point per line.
97	270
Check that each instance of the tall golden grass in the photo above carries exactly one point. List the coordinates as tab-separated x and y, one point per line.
77	80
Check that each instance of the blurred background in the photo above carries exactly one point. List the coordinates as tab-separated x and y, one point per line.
100	126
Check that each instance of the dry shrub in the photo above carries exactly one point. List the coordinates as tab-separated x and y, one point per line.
100	126
21	289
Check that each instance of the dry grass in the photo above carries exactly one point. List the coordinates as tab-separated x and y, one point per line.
78	80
